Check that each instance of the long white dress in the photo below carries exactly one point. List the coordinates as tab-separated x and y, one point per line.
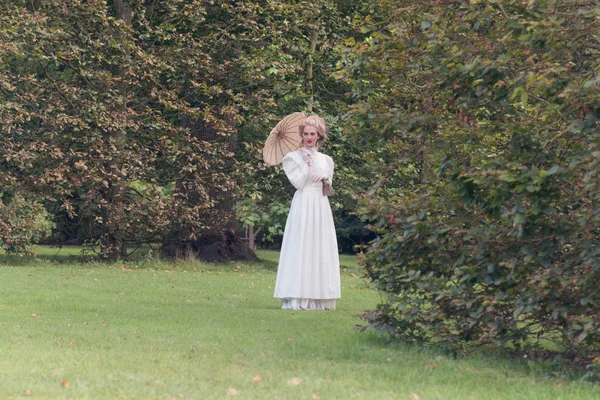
308	276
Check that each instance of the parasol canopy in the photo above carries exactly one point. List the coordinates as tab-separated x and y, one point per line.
285	137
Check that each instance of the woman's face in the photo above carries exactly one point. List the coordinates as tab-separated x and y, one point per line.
310	136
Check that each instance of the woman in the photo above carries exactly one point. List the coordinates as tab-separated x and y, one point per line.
308	277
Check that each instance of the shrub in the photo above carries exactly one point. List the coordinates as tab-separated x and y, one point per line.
22	224
494	106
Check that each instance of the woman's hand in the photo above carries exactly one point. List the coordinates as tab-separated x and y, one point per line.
306	156
320	177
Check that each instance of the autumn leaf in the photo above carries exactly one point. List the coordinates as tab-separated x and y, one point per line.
65	384
414	396
232	392
294	381
257	378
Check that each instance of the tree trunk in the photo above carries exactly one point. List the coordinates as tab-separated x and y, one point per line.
112	243
223	246
220	243
252	237
309	69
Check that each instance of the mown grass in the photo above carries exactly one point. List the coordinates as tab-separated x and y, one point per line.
188	330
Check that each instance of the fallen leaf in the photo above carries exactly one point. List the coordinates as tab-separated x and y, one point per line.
295	381
257	378
414	396
232	392
34	315
432	366
388	359
65	384
315	396
28	392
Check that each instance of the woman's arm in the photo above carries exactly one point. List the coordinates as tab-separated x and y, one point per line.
330	168
295	169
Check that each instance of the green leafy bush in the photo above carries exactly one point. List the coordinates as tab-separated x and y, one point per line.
22	224
493	106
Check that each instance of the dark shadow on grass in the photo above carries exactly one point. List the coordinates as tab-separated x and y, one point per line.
68	254
12	260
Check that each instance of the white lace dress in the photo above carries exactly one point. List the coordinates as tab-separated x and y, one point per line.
308	276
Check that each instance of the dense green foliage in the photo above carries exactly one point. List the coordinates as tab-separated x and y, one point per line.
494	106
92	101
22	223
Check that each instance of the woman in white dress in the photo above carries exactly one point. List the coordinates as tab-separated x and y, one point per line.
308	276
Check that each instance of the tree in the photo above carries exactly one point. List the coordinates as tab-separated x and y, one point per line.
95	99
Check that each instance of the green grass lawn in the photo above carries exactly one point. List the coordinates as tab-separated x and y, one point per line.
157	330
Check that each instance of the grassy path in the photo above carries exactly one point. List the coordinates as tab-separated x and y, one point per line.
192	331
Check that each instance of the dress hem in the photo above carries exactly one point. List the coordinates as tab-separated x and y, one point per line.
307	304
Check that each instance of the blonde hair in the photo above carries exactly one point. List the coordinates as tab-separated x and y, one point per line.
317	122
